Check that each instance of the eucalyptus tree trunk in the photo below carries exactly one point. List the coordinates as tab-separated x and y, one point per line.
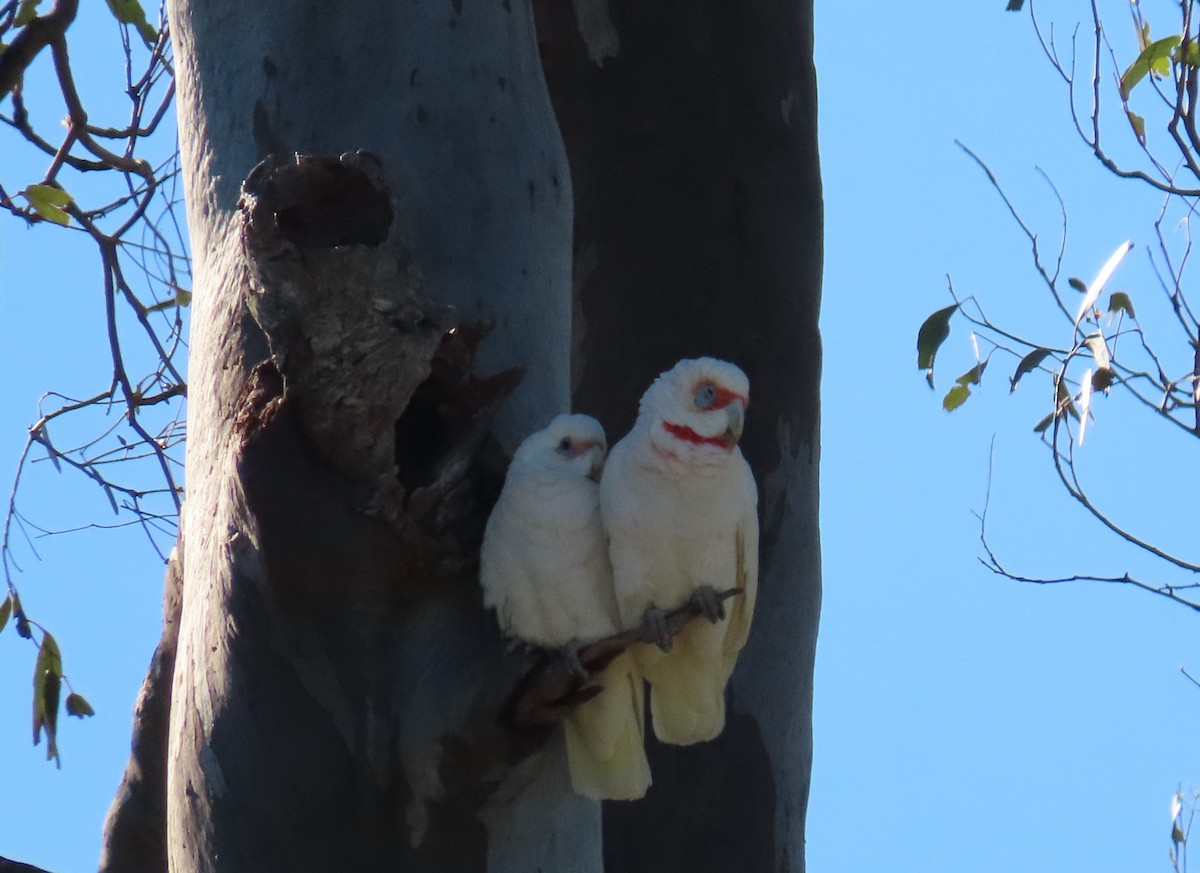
691	131
329	687
341	700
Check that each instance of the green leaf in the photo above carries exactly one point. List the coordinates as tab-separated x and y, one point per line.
5	610
47	685
50	194
1077	284
49	656
79	707
131	12
1190	55
1155	58
1119	301
1028	364
26	12
973	375
182	298
1064	403
48	202
51	689
1014	5
930	338
1041	426
1138	124
956	397
160	306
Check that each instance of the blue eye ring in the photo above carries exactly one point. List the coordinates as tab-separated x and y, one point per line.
705	396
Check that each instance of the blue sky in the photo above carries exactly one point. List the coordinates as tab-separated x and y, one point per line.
961	720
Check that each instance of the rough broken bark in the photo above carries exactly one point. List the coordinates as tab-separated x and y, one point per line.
693	154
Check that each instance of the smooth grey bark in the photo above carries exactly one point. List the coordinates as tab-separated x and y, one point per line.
322	702
691	130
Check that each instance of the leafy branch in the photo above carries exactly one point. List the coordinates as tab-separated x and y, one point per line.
1103	347
117	184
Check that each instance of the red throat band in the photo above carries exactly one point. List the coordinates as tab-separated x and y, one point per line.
688	435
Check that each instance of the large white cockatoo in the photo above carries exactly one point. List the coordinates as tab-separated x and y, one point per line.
680	507
544	568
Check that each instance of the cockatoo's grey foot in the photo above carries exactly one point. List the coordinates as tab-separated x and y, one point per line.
570	654
710	604
654	620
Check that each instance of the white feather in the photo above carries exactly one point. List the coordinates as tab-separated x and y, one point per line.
544	568
674	508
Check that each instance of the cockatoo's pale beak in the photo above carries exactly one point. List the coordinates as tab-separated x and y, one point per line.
597	453
736	410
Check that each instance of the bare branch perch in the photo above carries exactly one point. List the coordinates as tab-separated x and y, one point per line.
552	689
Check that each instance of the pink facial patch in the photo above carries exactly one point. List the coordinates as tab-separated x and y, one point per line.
579	447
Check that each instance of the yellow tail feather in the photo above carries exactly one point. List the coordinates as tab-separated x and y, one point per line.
606	737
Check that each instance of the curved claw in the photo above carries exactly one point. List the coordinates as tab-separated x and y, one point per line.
654	621
710	604
570	653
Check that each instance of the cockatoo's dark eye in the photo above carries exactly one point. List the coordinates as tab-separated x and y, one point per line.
705	395
564	446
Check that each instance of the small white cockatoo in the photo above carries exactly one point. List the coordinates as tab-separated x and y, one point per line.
544	568
679	504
